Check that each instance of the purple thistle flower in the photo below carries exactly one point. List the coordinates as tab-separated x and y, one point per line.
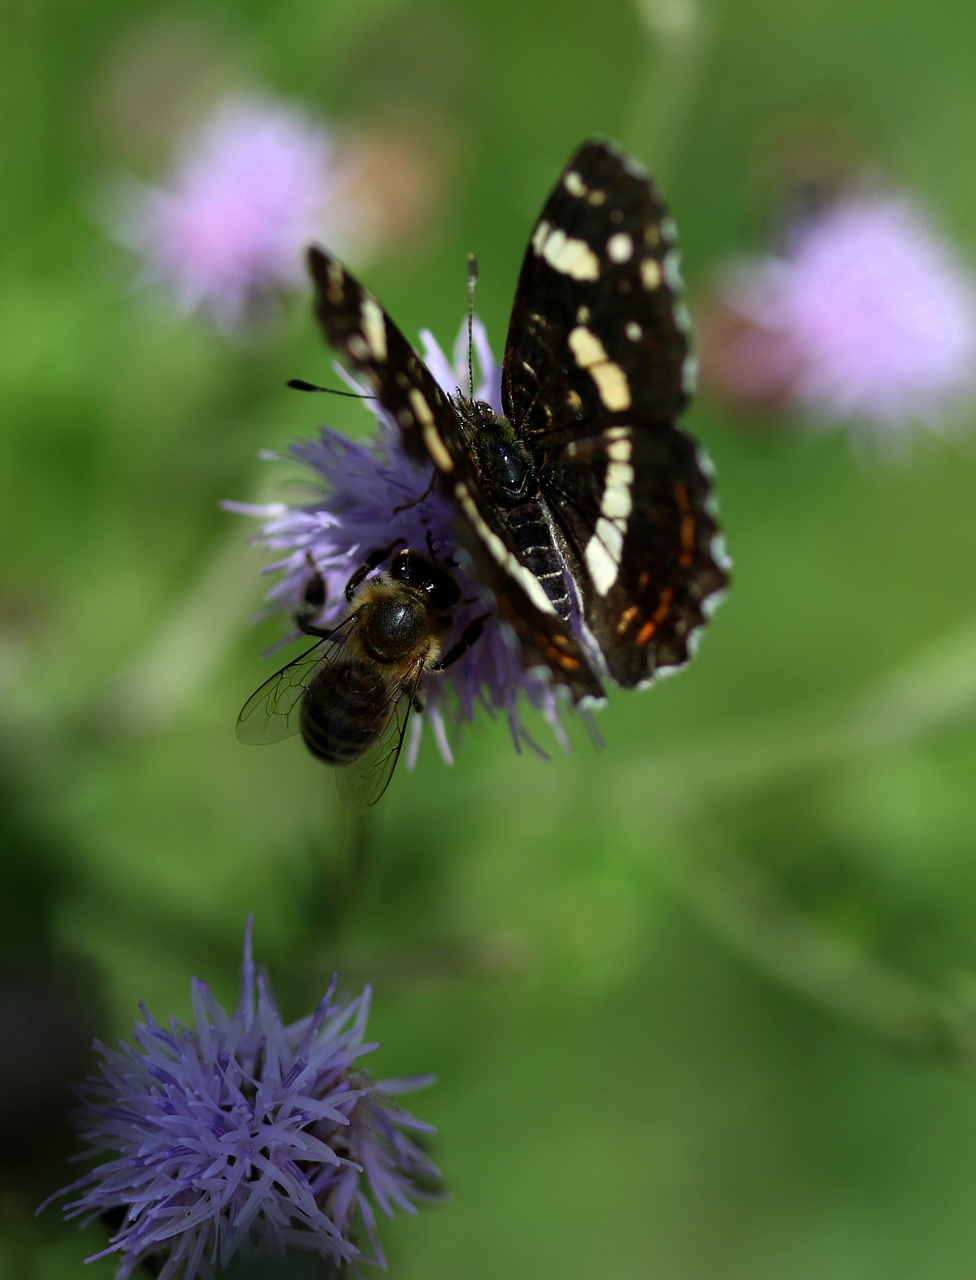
368	496
866	317
249	187
237	1135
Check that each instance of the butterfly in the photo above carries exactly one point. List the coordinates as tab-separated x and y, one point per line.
588	510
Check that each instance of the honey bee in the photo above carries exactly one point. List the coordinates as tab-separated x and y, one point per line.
351	694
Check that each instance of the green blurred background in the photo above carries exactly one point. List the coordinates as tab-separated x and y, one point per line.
699	1003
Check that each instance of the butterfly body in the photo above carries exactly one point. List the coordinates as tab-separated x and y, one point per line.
510	485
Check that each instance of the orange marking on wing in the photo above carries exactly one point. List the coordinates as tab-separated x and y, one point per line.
626	618
555	651
660	613
688	526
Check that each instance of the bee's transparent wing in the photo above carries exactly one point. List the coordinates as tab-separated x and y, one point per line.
361	783
274	711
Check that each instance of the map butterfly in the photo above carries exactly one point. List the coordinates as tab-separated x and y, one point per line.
588	510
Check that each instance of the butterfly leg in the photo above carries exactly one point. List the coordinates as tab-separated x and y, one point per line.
471	633
414	502
447	562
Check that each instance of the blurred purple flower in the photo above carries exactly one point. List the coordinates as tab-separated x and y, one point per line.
248	189
866	317
236	1135
359	489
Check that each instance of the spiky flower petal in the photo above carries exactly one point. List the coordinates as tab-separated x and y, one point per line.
236	1135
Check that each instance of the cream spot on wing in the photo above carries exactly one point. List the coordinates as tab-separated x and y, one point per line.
574	184
651	273
586	347
605	548
619	445
374	328
602	554
633	330
611	381
422	410
441	459
336	277
565	254
616	502
530	584
620	247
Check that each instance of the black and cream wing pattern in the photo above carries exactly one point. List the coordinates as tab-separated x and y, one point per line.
431	425
597	370
588	509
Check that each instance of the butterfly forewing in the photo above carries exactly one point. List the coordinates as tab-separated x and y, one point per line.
355	323
598	331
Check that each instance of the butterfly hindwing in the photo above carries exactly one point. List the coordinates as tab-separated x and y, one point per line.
637	511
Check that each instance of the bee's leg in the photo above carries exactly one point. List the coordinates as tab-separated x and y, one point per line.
471	633
313	598
375	558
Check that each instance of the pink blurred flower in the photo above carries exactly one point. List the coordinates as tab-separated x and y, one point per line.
866	317
248	189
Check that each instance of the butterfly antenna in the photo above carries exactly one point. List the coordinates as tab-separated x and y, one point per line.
299	384
472	281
